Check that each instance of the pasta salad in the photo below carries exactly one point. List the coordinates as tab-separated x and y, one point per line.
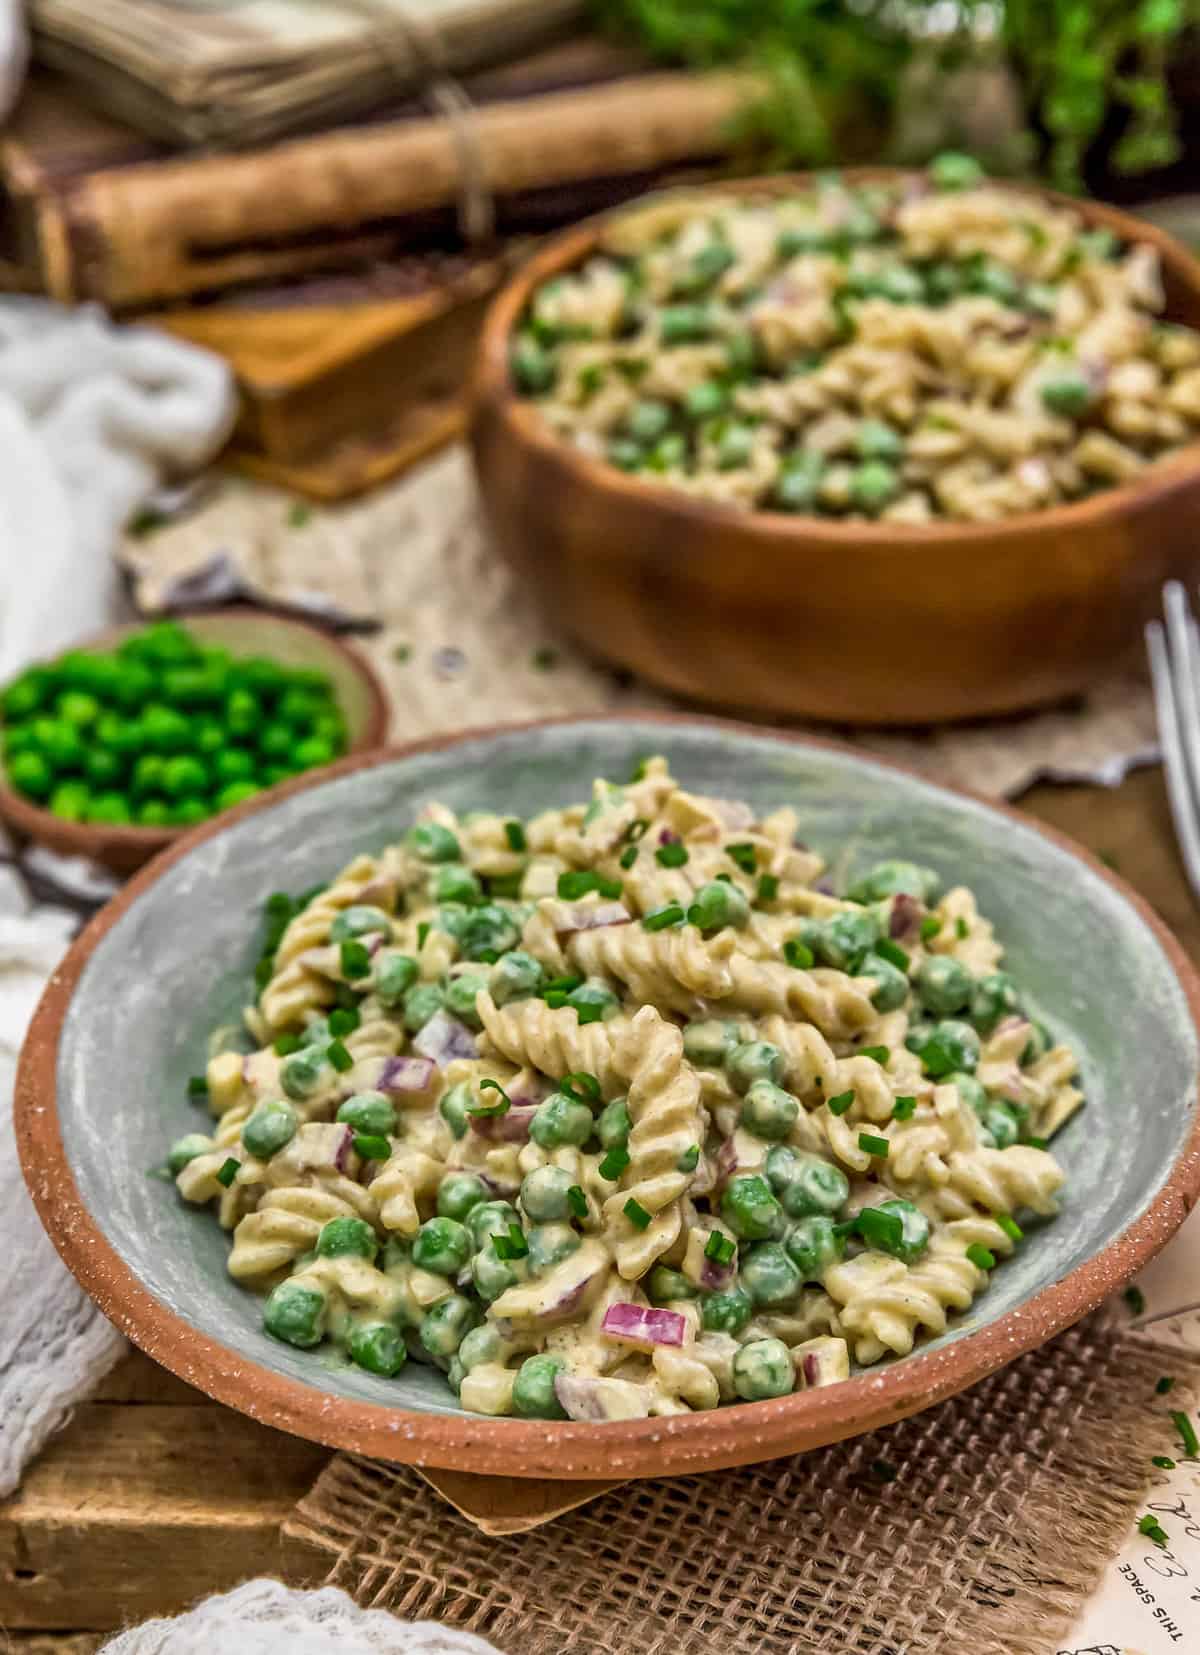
934	347
620	1111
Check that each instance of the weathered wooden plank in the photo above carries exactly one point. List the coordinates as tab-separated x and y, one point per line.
137	1510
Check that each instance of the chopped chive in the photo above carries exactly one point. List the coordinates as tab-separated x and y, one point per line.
980	1257
505	885
903	1109
930	926
515	834
628	856
884	1471
883	1230
371	1147
345	997
614	1164
743	856
577	1201
658	919
562	985
689	1160
840	1104
1135	1299
264	970
768	888
638	773
1163	1461
228	1171
286	1044
343	1020
892	953
485	1111
720	1248
878	1054
555	998
636	1214
512	1245
588	1014
1149	1525
671	855
576	882
798	954
961	928
610	888
1187	1432
580	1087
726	877
278	905
422	933
870	1144
1009	1225
340	1057
635	831
1165	1384
354	959
1037	1143
197	1086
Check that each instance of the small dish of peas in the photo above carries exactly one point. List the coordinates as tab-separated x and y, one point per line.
113	748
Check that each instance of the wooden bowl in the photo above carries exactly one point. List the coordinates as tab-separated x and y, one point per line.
359	693
93	1111
858	623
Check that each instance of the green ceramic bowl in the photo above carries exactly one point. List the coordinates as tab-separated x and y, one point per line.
102	1087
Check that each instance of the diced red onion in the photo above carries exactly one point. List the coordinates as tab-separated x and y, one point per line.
583	1398
727	1161
510	1128
668	836
325	1145
444	1038
717	1277
498	1187
407	1074
1009	1025
823	885
905	916
704	1178
812	1368
582	916
566	1303
637	1325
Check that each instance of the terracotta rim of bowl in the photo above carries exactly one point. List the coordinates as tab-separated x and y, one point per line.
679	1444
142	842
493	390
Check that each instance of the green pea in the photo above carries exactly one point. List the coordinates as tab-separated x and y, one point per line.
891	984
915	1231
798	481
295	1313
1067	394
544	1194
993	998
877	441
717	904
533	1389
1039	1043
185	1150
515	976
183	776
768	1111
593	1002
755	1060
30	774
377	1347
490	1218
487	930
189	811
77	707
1001	1124
625	454
237	793
726	1312
943	985
665	1285
451	917
763	1368
561	1120
458	1193
455	883
874	485
270	1127
846	938
453	1109
153	813
805	1183
669	452
395	974
614	1125
896	878
71	800
706	400
648	421
549	1244
102	768
369	1112
813	1245
316	1032
58	742
1097	244
533	367
709	1042
111	808
491	1274
704	268
741	353
953	170
347	1238
421	1003
903	287
27	692
750	1210
734	447
482	1344
970	1090
685	324
302	1073
768	1274
444	1327
433	843
952	1045
442	1245
360	920
166	731
460	994
148	773
309	754
1041	298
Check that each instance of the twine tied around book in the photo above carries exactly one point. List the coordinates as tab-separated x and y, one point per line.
447	97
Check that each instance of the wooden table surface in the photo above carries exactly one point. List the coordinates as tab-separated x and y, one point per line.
153	1495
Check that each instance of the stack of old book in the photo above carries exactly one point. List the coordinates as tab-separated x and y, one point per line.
327	190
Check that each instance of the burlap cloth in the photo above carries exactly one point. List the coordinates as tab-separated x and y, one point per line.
460	642
978	1528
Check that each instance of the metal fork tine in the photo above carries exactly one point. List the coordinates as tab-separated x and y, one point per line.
1179	791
